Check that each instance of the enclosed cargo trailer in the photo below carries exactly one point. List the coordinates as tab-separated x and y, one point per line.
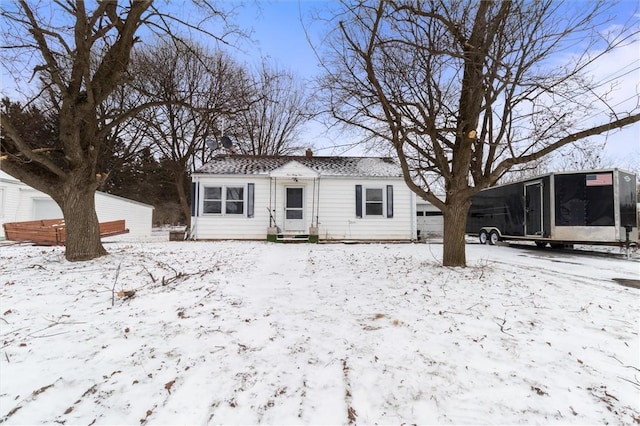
586	207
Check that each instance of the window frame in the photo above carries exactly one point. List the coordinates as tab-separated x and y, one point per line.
387	201
224	200
382	203
205	199
241	201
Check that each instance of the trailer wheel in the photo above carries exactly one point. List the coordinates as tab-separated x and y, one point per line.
494	237
541	244
483	237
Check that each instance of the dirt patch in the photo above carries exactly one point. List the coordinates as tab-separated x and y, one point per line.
627	282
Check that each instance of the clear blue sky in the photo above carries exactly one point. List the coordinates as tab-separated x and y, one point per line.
279	33
279	30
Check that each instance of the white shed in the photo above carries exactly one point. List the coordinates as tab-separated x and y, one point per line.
19	202
319	198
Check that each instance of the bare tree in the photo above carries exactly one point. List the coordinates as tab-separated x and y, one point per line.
80	57
465	90
273	124
194	90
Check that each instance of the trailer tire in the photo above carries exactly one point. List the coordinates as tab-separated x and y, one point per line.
483	236
494	237
541	244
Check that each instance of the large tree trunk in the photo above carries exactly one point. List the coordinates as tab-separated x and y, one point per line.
182	196
455	221
82	226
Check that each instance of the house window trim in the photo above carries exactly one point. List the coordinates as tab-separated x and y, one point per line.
387	201
223	200
383	202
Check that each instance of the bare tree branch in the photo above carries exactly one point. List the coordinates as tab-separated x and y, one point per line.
464	91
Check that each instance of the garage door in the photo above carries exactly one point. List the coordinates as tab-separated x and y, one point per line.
430	223
46	208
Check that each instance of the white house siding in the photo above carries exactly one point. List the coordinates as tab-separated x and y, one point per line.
9	202
337	212
220	226
22	203
333	211
310	201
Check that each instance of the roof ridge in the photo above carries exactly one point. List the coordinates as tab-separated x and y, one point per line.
243	164
298	156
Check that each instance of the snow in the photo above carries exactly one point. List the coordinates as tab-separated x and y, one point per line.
264	333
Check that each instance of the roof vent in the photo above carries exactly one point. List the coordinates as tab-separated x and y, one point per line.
309	153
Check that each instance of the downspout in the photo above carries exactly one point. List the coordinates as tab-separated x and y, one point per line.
318	208
313	201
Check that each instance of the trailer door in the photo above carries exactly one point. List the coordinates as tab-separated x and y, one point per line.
533	209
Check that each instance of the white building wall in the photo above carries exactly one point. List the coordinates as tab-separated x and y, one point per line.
278	193
138	216
18	202
9	202
221	226
18	205
335	209
337	212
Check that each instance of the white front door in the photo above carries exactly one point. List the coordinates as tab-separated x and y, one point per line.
294	208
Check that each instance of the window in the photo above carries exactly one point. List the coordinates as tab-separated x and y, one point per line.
219	199
212	202
235	201
373	202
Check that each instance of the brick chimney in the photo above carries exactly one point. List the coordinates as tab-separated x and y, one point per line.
309	153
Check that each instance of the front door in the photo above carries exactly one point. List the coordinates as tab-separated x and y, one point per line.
533	209
294	209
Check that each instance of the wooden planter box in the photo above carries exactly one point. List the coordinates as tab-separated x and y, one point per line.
176	235
51	232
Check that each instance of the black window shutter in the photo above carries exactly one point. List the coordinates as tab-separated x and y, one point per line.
389	201
250	199
194	200
359	201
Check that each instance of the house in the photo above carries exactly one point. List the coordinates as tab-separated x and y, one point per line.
319	198
19	202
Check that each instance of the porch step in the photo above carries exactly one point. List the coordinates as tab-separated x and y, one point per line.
293	238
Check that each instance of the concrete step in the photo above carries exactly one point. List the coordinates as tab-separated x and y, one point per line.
293	238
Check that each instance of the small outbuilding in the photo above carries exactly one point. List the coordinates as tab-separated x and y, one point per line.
302	197
429	220
20	202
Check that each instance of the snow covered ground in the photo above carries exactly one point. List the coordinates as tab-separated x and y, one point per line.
166	332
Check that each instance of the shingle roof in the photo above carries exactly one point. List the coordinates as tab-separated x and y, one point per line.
325	166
